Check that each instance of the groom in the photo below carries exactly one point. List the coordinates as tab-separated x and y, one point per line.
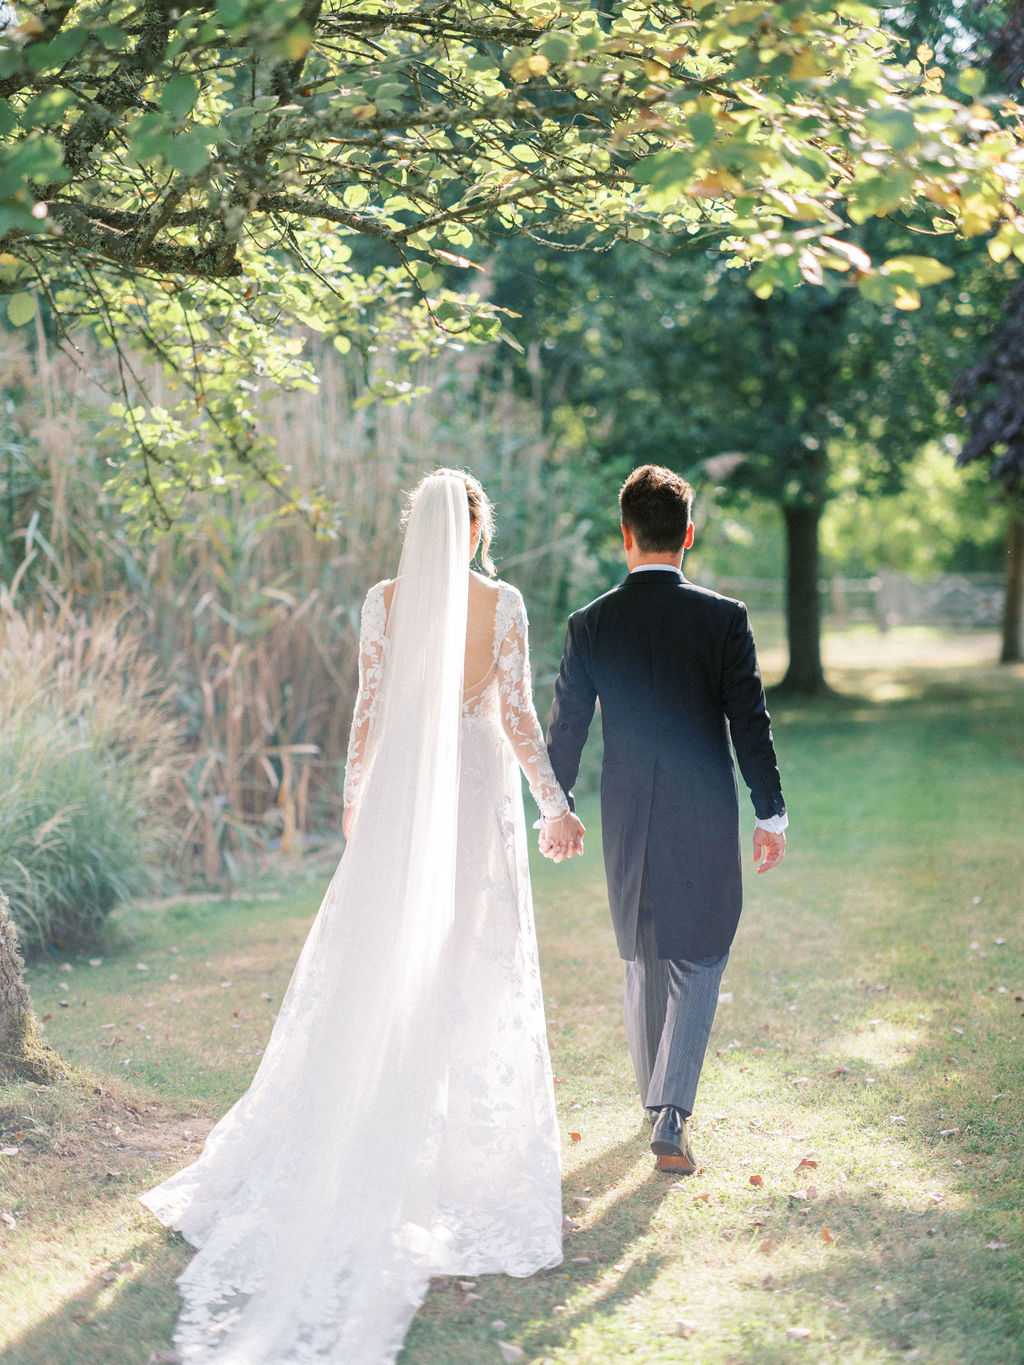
674	668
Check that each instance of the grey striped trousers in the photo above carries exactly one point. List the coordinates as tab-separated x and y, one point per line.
670	1007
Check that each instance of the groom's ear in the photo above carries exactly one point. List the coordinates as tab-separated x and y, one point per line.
627	538
689	537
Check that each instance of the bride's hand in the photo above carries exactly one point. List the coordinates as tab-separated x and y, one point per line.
348	816
562	838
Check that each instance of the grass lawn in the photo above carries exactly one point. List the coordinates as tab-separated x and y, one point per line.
860	1124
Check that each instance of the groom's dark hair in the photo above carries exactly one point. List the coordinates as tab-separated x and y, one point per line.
655	505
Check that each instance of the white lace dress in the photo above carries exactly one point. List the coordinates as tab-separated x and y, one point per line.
267	1194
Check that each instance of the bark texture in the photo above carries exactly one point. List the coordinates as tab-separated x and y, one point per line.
24	1055
804	676
1013	605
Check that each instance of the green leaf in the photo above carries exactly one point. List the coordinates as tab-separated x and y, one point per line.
923	269
971	81
892	127
21	308
186	154
179	95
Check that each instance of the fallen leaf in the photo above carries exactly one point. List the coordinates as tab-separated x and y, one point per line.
108	1277
702	1198
466	1285
757	1180
95	962
581	1260
9	1151
142	967
897	1118
581	1201
827	1235
996	1245
509	1353
685	1327
840	1071
498	1326
575	1137
812	1191
948	1132
807	1162
165	1358
8	1220
473	1298
798	1333
569	1224
766	1246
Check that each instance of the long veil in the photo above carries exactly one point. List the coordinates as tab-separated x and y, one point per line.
314	1200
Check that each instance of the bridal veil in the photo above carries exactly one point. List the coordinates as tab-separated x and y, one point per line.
314	1201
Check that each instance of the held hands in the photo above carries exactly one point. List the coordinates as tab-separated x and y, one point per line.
768	848
562	838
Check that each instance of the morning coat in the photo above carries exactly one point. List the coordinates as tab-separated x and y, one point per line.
674	668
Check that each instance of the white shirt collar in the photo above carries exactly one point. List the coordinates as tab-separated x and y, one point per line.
646	568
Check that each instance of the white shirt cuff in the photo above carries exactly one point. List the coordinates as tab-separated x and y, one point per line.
774	824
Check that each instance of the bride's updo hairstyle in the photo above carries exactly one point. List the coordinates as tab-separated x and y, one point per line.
481	513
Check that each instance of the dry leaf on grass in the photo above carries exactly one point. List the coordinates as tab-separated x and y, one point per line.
798	1333
7	1220
686	1327
827	1235
165	1358
996	1245
575	1137
757	1180
9	1151
510	1354
807	1163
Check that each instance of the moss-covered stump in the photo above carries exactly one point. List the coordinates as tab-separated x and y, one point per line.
24	1055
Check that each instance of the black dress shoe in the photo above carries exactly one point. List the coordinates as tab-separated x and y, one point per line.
670	1142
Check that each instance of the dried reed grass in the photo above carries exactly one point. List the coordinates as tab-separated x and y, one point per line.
253	617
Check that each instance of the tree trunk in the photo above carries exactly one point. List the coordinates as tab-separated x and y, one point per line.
804	676
24	1056
1013	606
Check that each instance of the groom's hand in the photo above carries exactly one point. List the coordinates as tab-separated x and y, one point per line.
562	838
768	848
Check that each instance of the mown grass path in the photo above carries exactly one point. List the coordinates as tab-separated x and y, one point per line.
860	1126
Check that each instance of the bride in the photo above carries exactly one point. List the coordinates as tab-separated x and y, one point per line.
401	1123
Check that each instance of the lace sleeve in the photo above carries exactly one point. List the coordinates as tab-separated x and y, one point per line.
517	714
371	663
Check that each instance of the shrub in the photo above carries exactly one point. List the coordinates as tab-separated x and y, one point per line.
89	754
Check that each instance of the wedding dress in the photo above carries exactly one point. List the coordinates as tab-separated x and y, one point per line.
401	1124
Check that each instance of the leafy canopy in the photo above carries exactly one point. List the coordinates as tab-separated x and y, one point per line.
198	181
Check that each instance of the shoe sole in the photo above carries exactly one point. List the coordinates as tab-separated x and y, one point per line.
678	1165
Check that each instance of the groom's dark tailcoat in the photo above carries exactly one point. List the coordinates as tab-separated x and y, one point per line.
674	668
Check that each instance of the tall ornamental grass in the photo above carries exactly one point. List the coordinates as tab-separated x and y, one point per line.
89	752
254	618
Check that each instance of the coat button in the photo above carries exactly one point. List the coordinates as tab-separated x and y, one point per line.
564	725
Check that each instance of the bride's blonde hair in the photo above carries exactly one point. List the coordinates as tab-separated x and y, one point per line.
481	513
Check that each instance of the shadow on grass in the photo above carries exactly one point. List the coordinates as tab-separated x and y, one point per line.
895	1281
533	1312
122	1316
